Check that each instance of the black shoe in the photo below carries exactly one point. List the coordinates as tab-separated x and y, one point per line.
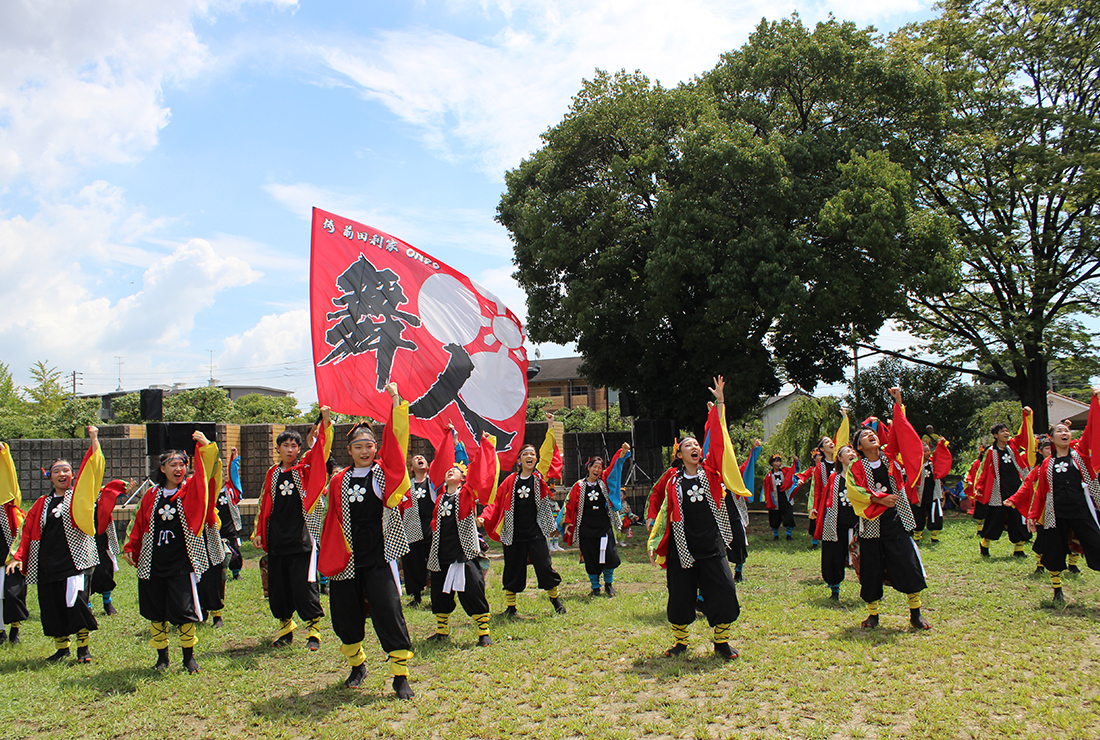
401	687
1058	598
189	661
790	537
1019	554
283	641
13	636
609	589
162	660
984	551
415	602
59	655
558	606
217	623
355	678
510	613
1074	569
737	577
595	592
109	609
724	651
677	649
775	538
83	655
1039	570
437	637
484	641
815	545
323	589
3	637
870	622
313	644
917	622
834	595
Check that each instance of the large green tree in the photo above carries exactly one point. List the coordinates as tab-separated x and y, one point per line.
741	224
1014	163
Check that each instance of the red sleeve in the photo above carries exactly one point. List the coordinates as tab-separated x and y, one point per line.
1021	500
141	526
493	514
983	489
1042	490
31	530
265	510
657	495
105	506
333	551
941	460
569	519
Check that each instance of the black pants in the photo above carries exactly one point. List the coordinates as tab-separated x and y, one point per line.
212	589
472	599
1056	543
925	513
980	510
58	619
783	515
590	549
893	553
348	602
15	598
999	519
415	565
103	575
710	577
289	588
236	560
834	555
167	599
515	565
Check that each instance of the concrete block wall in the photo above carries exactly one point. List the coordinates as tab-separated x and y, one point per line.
125	459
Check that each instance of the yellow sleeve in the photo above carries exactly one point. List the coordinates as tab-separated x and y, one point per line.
86	490
659	526
546	453
9	482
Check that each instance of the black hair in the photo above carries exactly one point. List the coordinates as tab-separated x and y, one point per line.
859	434
288	435
361	429
592	461
158	475
998	428
773	458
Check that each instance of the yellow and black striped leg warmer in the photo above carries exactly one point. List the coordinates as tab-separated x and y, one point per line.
215	613
1055	578
158	635
722	633
354	653
188	635
314	628
872	608
553	593
399	662
286	626
680	633
914	600
1074	558
62	643
917	536
482	621
985	543
83	637
981	525
443	624
509	598
1038	558
1017	547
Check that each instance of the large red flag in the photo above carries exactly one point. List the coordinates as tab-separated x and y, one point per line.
384	311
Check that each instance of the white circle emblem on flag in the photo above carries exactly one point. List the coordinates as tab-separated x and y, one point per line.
495	389
449	310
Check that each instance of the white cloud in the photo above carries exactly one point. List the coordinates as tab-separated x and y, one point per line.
439	231
490	99
82	81
276	352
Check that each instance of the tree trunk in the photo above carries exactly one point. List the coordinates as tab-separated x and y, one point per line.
1034	387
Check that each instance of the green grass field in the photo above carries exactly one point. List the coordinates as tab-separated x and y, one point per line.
1000	662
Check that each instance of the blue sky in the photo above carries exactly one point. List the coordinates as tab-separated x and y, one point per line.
159	160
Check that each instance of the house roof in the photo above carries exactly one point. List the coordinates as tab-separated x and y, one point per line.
562	368
776	399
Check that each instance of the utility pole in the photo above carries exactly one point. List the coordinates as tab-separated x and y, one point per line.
119	389
211	381
76	379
